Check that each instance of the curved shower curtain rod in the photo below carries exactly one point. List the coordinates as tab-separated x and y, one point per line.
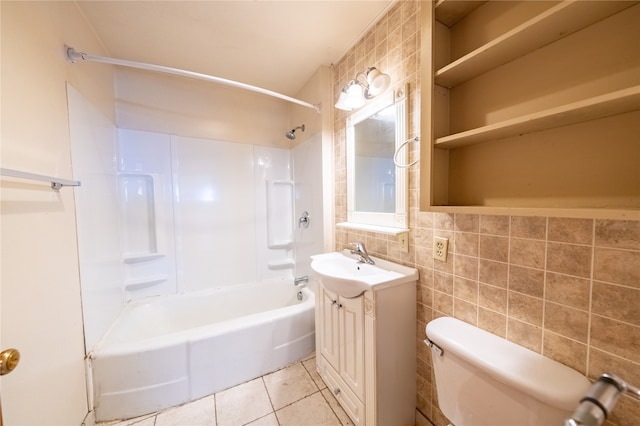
73	56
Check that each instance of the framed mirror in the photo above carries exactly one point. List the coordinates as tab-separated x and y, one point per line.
377	190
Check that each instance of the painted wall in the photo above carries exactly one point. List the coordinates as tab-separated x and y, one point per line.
566	288
179	106
41	306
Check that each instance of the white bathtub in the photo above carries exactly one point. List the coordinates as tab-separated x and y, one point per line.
168	350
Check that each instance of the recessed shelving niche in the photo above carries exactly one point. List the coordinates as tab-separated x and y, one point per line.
534	106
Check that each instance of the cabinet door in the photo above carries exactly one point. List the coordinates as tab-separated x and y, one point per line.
351	313
329	329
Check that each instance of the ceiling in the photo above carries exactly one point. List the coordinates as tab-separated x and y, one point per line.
276	45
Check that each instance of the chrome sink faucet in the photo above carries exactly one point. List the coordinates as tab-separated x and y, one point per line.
360	250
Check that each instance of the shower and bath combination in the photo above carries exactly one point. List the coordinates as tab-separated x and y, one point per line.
291	134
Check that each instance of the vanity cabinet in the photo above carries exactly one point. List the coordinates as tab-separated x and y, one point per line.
365	352
341	328
531	105
342	340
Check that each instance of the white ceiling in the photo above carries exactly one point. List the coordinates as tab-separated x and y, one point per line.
276	45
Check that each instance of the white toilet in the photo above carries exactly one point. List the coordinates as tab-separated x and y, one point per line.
485	380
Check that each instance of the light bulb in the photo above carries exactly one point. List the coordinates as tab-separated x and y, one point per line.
378	81
355	95
341	104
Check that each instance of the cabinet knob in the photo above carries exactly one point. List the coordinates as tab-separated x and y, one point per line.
336	391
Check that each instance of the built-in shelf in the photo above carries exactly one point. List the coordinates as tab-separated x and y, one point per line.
139	284
130	258
554	24
625	100
449	12
572	88
372	228
281	264
284	244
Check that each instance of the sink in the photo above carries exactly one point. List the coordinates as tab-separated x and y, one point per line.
341	273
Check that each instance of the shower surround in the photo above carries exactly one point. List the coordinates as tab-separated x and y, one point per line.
161	214
192	215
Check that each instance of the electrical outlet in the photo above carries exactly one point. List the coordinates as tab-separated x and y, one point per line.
440	247
403	240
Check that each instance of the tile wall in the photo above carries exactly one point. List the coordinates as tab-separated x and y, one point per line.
392	45
566	288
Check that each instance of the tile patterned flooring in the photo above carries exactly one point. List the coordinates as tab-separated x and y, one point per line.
294	395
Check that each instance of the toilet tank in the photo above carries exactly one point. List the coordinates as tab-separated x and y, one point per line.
483	379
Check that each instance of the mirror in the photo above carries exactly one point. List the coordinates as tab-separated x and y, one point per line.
376	188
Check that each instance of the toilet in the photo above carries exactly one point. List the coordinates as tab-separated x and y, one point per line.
485	380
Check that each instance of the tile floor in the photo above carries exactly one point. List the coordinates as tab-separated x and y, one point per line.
294	395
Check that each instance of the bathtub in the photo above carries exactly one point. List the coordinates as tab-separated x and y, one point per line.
168	350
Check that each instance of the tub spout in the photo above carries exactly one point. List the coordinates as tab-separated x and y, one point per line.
298	281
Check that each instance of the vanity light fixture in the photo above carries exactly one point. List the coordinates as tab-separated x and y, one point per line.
366	85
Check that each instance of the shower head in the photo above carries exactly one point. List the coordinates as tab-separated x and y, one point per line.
291	134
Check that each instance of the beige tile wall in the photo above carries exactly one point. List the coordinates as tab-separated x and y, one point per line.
566	288
393	46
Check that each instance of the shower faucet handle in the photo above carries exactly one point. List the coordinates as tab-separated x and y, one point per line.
304	220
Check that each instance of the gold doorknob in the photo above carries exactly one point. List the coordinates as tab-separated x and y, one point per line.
9	359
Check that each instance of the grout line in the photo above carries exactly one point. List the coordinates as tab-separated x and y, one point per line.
544	283
215	407
506	330
477	301
273	409
331	407
590	306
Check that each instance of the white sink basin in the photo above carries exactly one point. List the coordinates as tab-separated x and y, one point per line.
342	274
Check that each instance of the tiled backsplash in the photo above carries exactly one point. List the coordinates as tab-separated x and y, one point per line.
566	288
